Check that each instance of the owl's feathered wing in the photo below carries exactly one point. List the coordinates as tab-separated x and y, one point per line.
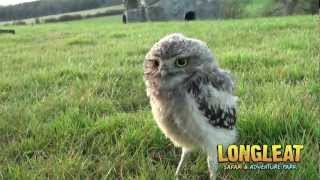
213	94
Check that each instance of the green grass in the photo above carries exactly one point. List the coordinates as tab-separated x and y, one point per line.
73	103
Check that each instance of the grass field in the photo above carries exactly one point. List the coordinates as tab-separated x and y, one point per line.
73	104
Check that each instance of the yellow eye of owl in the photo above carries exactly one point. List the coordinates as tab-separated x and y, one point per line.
181	62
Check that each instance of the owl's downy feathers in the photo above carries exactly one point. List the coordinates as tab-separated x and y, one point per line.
191	97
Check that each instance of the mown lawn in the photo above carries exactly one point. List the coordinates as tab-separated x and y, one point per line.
73	104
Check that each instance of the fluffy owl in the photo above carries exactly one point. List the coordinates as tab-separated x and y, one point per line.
191	98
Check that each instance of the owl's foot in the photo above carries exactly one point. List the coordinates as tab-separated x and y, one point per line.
212	166
213	176
176	177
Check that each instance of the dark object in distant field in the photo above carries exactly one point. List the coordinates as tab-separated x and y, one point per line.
191	15
124	19
9	31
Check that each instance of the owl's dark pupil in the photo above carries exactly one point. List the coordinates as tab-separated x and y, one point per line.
181	62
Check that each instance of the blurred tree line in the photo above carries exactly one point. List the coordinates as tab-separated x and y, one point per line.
232	8
258	8
49	7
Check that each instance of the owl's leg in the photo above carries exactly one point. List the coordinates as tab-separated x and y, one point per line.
182	159
212	164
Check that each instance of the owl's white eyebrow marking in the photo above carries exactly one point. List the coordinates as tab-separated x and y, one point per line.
168	53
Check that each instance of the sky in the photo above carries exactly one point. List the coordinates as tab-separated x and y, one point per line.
11	2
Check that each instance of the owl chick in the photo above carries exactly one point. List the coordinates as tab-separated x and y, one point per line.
191	98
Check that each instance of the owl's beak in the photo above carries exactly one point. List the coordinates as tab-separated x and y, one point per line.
163	71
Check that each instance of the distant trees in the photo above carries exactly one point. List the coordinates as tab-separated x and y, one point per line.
253	8
290	7
299	6
49	7
231	8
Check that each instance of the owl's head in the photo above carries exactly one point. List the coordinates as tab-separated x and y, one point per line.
174	59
